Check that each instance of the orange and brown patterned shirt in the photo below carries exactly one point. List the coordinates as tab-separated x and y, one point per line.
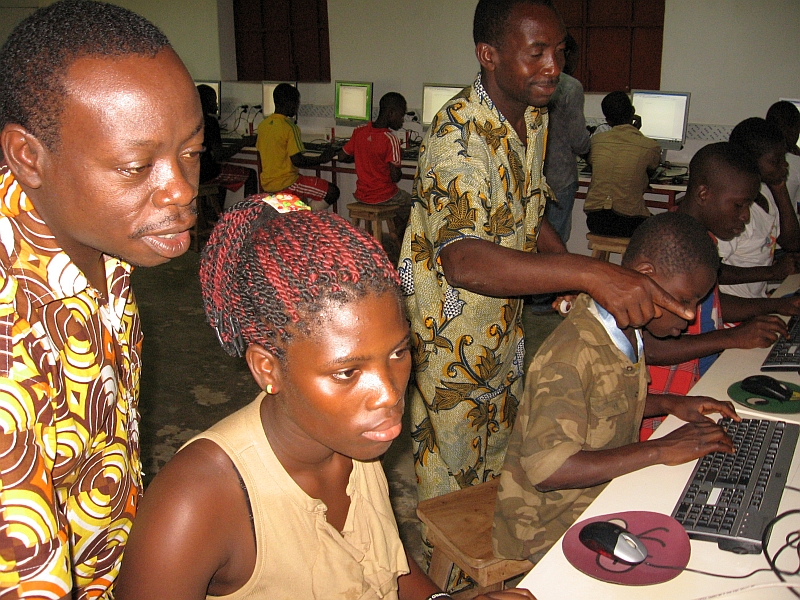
70	474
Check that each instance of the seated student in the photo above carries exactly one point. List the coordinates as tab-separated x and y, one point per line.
773	220
585	395
226	175
212	136
378	157
286	498
621	160
723	183
785	116
281	149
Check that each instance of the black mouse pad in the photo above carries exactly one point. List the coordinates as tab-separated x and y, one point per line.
767	405
667	543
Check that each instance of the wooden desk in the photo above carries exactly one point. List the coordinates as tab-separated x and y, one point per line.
248	155
658	489
657	195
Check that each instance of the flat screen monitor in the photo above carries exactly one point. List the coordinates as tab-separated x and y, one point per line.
267	88
434	96
216	86
353	102
665	116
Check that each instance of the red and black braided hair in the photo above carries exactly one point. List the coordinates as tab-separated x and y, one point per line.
264	274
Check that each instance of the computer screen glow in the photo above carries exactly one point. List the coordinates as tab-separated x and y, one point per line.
664	116
267	102
214	85
794	101
353	100
434	96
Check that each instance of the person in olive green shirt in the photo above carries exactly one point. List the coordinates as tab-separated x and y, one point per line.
622	160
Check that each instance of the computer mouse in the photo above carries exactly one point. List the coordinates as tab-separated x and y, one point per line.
614	542
769	387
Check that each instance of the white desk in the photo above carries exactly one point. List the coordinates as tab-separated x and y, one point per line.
658	489
734	365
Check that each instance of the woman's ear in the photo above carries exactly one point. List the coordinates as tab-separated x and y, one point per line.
265	368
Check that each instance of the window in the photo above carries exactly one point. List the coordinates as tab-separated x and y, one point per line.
620	42
282	40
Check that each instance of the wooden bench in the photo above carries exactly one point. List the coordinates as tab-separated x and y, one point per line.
373	217
603	245
460	530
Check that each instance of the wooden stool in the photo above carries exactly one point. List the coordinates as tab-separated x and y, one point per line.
207	206
460	530
375	214
603	245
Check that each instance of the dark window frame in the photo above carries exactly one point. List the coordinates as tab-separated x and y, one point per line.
620	42
282	40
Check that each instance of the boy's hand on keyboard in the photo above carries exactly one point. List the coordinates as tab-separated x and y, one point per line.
694	409
758	332
692	441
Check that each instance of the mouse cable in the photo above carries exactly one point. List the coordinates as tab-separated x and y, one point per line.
791	541
748	588
699	572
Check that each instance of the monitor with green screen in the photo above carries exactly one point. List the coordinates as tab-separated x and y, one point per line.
353	105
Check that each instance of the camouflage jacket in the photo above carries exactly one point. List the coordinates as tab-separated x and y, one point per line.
581	393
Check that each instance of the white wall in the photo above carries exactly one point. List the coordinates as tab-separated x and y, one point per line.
192	26
737	57
399	45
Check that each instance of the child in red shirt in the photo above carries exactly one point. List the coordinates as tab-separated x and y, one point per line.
377	156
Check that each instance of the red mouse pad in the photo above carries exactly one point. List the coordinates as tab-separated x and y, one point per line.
667	544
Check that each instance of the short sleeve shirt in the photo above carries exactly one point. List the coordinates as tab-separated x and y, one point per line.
567	136
475	180
581	393
755	247
70	474
620	159
277	141
374	148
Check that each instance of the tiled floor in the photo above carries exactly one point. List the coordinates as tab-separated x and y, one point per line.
189	383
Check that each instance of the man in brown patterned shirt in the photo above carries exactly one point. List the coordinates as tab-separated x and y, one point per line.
586	393
101	131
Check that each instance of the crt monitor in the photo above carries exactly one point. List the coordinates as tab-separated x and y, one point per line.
665	116
795	101
267	103
214	85
434	96
353	103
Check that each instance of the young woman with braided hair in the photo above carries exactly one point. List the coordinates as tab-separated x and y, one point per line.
286	498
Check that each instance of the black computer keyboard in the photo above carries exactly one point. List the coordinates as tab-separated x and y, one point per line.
322	146
785	353
730	498
411	154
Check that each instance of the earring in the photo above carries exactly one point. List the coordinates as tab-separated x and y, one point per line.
269	389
